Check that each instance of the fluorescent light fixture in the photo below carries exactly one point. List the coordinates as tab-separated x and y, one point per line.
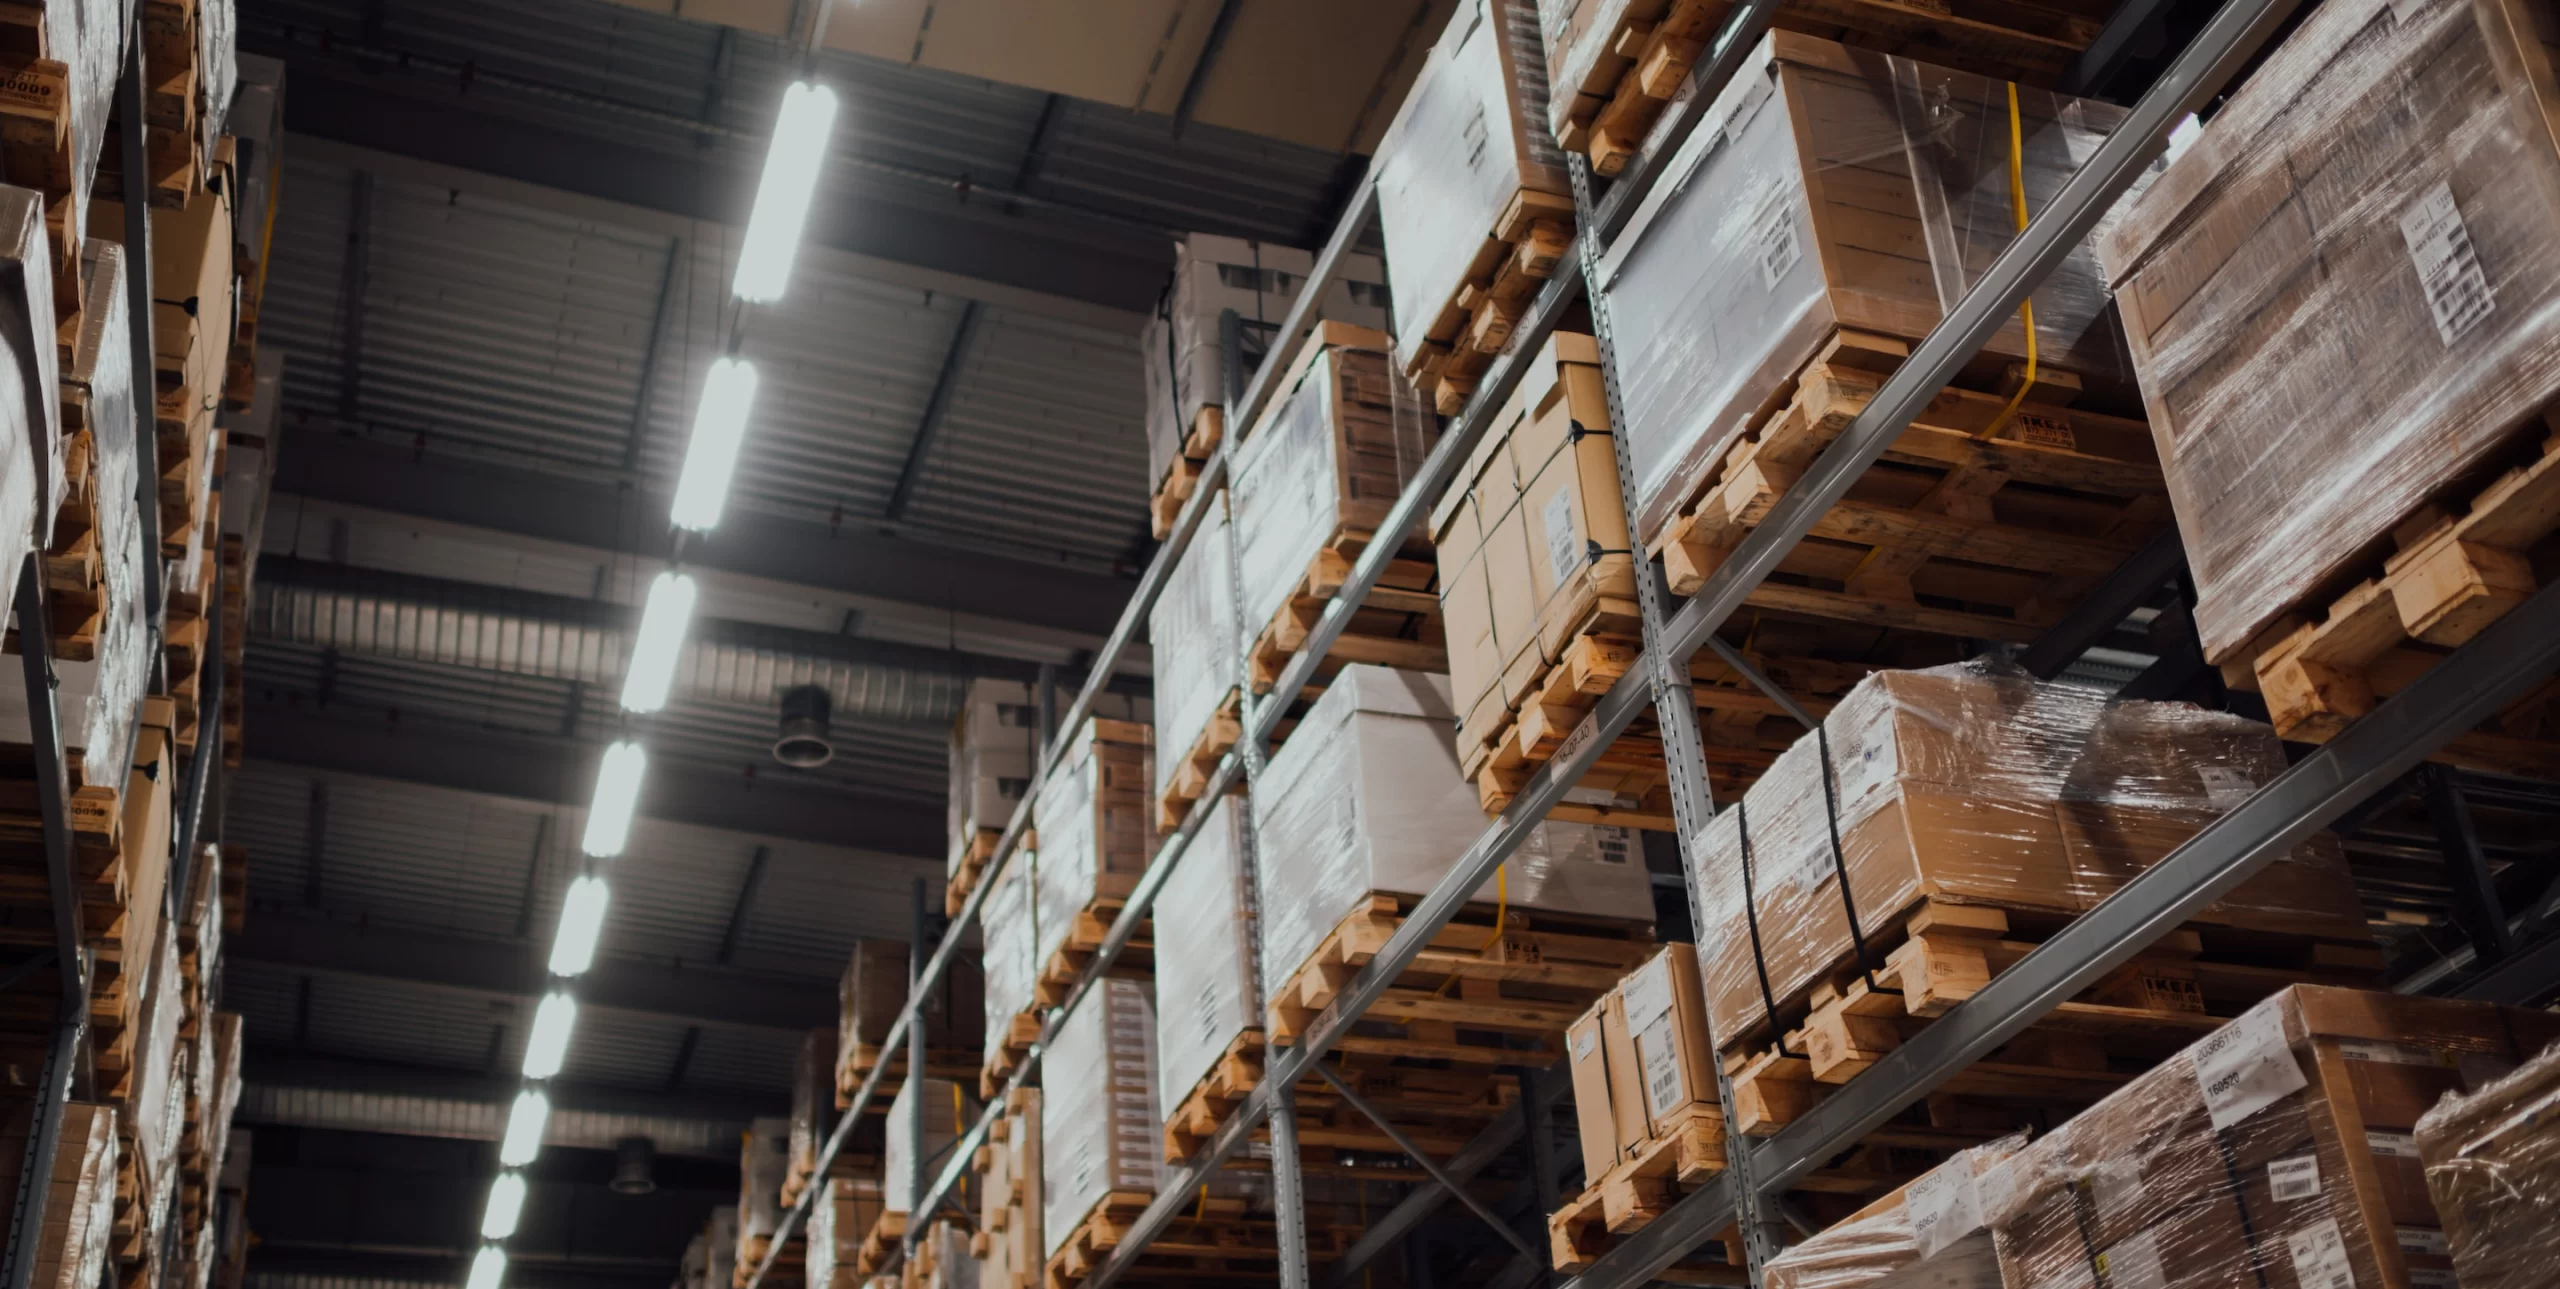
711	456
617	795
660	642
581	920
506	1203
549	1045
791	165
525	1122
488	1267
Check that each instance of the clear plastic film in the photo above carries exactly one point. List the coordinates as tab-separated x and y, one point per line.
764	1159
838	1220
948	1111
1192	640
1930	1234
1010	932
87	37
2276	1151
1831	189
1366	797
158	1107
1205	987
31	475
2344	297
1095	819
994	747
72	1248
101	695
2493	1167
1471	134
1332	456
945	1249
1976	784
217	68
1100	1130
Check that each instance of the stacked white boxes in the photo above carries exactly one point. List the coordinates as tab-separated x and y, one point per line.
764	1159
1093	818
1366	797
1099	1128
1206	994
1010	934
994	745
31	467
1194	642
948	1112
1182	349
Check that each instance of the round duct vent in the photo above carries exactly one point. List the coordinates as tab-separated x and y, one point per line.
633	1158
804	742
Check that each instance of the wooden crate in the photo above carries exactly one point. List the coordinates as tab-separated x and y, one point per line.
1397	625
1638	1191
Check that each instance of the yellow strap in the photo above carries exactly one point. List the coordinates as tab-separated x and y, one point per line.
1201	1214
2026	307
1501	912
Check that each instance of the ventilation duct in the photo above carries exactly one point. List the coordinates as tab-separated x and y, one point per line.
633	1157
805	716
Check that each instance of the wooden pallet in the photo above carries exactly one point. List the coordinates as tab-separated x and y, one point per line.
2173	993
1211	1101
1438	1109
1398	625
1011	1049
1973	524
1217	1242
973	866
1472	998
885	1234
1636	1192
36	146
1528	241
1191	774
2456	568
1085	934
1653	44
1182	477
957	1064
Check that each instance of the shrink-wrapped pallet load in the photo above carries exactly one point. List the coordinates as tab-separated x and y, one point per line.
720	1240
1206	995
1193	642
2493	1167
1009	1196
764	1160
1929	1234
948	1111
1098	1120
31	469
1009	926
1642	1065
839	1217
1830	190
1365	798
993	751
2344	305
873	992
1095	816
813	1095
71	1249
2276	1151
1971	785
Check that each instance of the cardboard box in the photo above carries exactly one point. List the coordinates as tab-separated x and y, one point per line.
1626	1078
1662	1006
1101	1129
1193	642
873	991
1594	1117
1096	818
1204	930
2344	296
2492	1163
1929	1234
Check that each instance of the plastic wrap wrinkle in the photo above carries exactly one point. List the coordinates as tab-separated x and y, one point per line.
1753	252
1930	1234
1011	936
105	692
1099	1123
1205	986
948	1112
2493	1166
1283	495
1193	642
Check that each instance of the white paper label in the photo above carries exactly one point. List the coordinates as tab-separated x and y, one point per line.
2382	1053
2135	1264
1992	1190
2295	1178
2448	268
1942	1207
1647	993
2320	1257
1564	554
2391	1145
1661	1055
2244	1067
1583	1043
2424	1241
1779	249
2225	787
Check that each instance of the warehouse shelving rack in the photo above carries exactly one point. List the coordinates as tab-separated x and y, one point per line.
2503	662
67	1072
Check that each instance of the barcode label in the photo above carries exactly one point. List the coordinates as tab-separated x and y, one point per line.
1583	1042
1778	248
2135	1264
2245	1066
2382	1053
1563	552
2425	1241
1662	1091
2295	1178
2391	1145
2448	268
2320	1257
1942	1207
2224	786
2432	1278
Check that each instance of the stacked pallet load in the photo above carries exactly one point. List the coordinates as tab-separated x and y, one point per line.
212	1087
1197	646
1613	65
2492	1157
843	1213
1011	1253
1209	1038
995	756
813	1094
764	1161
2277	1150
256	123
941	1260
2355	402
189	63
151	1114
874	991
1313	482
1094	816
948	1111
73	1249
1752	343
1184	346
1928	1233
1474	202
62	89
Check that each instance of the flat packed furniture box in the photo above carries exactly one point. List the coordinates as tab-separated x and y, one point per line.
1198	655
1095	816
838	1219
948	1112
1831	190
2276	1152
1974	787
1099	1124
1929	1234
1207	999
2493	1167
1642	1065
2344	305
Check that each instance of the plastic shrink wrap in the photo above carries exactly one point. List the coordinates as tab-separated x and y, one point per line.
1472	133
1343	437
1009	1195
1096	820
994	747
874	991
1204	929
942	1260
1830	189
1192	642
1008	924
947	1113
2493	1167
87	37
2274	1152
1365	797
1099	1127
1183	347
2345	295
1929	1234
71	1249
31	469
838	1220
764	1159
813	1096
1975	784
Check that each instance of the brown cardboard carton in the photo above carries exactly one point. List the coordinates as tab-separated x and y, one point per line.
1587	1058
1664	1010
1626	1077
2492	1161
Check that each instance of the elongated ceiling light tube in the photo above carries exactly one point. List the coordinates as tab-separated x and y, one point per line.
791	166
506	1204
525	1121
488	1268
573	948
711	456
617	796
549	1044
659	644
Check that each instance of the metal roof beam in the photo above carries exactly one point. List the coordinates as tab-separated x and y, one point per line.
559	772
723	997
